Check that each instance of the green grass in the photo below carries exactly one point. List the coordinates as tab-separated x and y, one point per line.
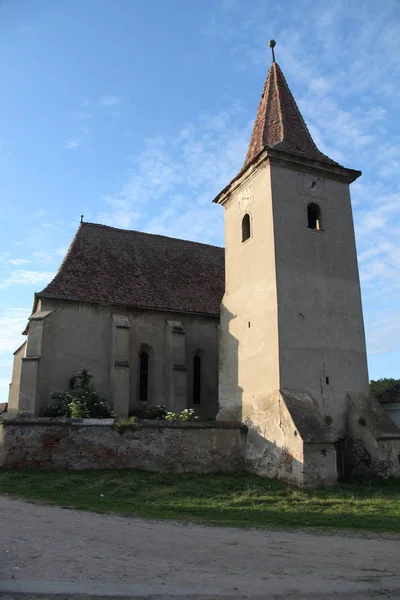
240	500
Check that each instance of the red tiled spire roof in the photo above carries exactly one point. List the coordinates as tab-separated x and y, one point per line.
279	124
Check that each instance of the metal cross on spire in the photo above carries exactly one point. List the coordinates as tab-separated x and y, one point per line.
272	44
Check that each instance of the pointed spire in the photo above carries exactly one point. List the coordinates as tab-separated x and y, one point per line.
279	124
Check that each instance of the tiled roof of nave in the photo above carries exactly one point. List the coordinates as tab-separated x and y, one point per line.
130	268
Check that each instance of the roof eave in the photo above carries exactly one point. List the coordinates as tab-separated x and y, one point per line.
130	306
331	170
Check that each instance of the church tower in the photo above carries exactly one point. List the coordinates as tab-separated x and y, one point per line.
292	345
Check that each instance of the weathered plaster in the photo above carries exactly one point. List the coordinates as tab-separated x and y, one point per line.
152	446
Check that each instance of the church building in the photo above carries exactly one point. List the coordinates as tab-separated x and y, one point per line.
268	332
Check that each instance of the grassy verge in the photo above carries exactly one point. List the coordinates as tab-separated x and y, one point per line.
240	500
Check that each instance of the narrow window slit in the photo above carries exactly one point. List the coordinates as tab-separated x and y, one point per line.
143	376
246	230
314	216
196	380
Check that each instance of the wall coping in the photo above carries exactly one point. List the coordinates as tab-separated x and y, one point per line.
143	424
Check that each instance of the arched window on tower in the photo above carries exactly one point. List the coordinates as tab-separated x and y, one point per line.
143	376
246	229
196	379
314	216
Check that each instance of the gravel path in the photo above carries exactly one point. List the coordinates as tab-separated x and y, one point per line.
104	554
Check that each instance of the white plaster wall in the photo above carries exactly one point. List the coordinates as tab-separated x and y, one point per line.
249	369
78	335
321	329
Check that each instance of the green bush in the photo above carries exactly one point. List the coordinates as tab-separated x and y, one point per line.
121	425
150	412
80	402
186	415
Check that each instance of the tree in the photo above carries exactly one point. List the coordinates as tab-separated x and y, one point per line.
378	385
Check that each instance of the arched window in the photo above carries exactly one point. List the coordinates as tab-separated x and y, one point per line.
246	228
143	376
314	216
196	380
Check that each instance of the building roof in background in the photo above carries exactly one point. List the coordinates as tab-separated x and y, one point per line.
115	266
391	394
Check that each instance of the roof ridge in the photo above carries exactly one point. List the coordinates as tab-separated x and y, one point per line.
159	235
277	69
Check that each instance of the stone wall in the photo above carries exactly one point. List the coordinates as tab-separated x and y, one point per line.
95	444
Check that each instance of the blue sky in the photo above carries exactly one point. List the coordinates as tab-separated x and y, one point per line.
136	113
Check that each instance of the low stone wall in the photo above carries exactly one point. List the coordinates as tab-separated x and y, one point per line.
45	443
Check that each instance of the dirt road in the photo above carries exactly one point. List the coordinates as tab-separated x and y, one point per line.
46	549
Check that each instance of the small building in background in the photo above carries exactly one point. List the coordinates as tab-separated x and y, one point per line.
390	400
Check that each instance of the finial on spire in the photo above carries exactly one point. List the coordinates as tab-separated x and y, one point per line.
272	44
81	218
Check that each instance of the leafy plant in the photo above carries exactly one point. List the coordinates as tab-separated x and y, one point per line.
80	402
150	412
328	420
186	415
121	425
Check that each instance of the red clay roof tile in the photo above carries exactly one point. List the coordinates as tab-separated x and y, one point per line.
130	268
279	124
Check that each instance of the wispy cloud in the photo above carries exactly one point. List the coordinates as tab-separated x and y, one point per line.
81	137
82	112
110	101
23	277
201	159
19	261
72	144
12	322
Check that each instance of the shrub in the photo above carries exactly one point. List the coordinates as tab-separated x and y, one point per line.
59	405
186	415
121	425
81	402
150	412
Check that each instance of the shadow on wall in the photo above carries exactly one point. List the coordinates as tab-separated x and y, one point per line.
287	438
230	394
269	459
264	455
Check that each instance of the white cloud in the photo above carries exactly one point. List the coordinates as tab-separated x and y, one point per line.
110	101
82	136
12	322
19	261
23	277
82	112
201	159
72	144
4	386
